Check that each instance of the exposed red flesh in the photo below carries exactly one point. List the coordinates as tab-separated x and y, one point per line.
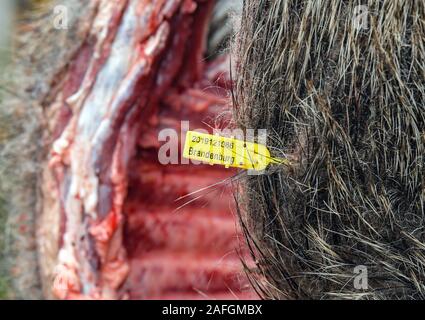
161	272
189	231
121	235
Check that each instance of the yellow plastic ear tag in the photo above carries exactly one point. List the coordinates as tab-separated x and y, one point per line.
229	152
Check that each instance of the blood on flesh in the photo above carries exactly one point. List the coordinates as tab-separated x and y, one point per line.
141	70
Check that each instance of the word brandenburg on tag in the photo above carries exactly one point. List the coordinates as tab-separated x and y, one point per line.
229	152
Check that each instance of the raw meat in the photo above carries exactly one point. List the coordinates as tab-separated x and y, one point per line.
140	70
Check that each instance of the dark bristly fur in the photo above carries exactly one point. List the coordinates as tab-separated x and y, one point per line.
348	105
